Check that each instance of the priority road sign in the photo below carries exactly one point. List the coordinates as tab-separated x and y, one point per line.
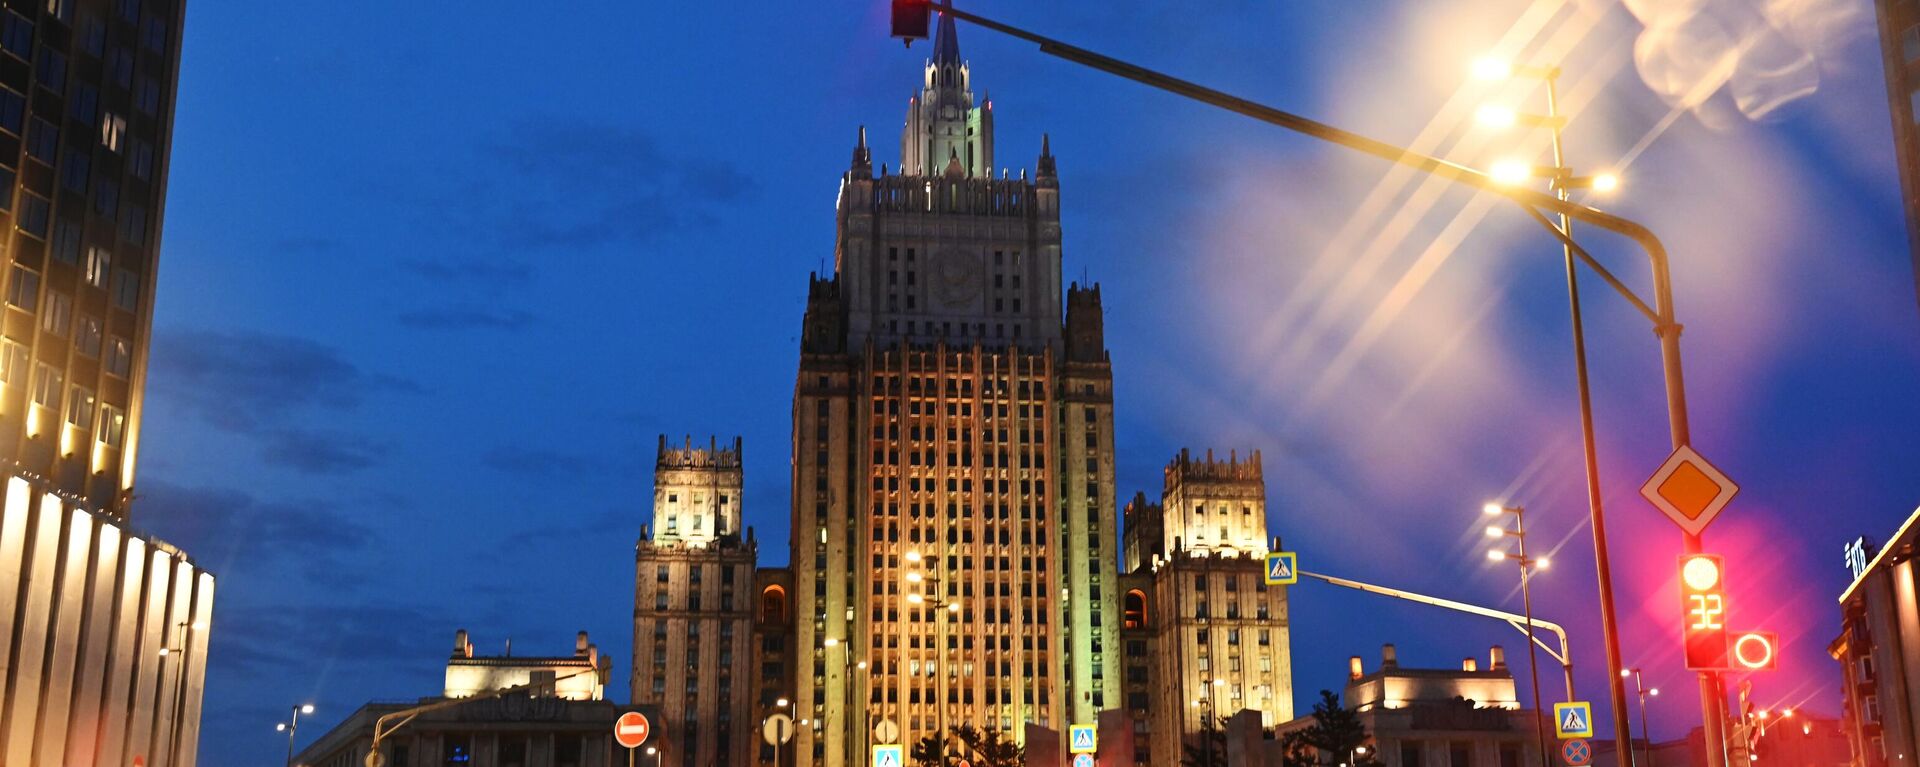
1690	491
1082	739
887	756
1283	568
1573	720
1577	753
1083	760
631	729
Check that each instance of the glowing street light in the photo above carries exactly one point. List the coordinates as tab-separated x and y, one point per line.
1497	116
1492	68
1510	172
1527	567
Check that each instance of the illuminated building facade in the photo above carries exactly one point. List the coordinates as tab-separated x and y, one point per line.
103	631
580	676
1429	717
1899	23
86	123
693	611
952	447
1205	634
1879	648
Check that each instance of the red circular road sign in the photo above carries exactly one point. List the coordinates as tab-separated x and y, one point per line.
1577	752
631	729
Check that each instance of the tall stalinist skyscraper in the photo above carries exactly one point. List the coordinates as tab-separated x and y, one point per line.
953	501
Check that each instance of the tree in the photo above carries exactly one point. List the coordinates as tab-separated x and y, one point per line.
1335	737
1211	751
990	747
926	752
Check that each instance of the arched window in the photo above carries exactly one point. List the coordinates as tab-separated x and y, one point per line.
1134	615
773	605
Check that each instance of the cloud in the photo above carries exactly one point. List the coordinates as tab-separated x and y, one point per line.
276	637
487	271
319	452
466	318
208	519
535	461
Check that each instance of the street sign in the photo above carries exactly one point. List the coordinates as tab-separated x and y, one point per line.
1083	760
1082	739
1573	720
631	729
1283	568
1577	753
778	730
1690	491
887	756
886	731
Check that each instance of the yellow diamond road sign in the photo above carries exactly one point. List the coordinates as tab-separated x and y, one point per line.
1690	491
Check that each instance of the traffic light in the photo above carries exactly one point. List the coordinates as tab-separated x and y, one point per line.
910	19
1704	601
1755	650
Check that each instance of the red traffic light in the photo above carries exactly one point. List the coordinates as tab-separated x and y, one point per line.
1704	609
1755	650
910	19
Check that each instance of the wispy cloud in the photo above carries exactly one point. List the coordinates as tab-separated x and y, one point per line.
466	318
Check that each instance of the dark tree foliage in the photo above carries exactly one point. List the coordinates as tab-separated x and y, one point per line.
983	748
1211	751
1335	737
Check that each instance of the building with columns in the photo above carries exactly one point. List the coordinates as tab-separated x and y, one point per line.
953	508
695	592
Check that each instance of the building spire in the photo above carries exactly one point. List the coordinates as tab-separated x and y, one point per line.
946	43
862	156
1046	167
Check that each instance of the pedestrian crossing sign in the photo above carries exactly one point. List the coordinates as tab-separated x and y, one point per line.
1573	720
887	756
1283	568
1082	740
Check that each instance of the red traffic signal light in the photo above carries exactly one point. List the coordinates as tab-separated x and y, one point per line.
1704	608
910	19
1755	650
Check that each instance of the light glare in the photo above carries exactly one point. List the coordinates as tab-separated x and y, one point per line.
1492	68
1606	182
1495	531
1701	573
1496	555
1491	509
1510	172
1496	116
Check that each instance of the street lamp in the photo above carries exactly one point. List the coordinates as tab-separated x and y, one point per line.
941	606
292	725
1642	692
1527	567
1561	181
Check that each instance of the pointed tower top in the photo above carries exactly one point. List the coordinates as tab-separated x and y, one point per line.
862	157
1046	168
946	44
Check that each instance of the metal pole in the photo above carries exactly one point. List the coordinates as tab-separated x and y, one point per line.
292	727
1533	655
1609	628
1641	690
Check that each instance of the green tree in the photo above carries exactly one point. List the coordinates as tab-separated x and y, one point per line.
1335	737
1211	751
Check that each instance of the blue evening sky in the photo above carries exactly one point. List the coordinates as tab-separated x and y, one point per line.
437	275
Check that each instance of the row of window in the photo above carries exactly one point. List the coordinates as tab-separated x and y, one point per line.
47	390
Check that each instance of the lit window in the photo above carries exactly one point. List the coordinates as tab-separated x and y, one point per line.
46	386
59	313
119	357
113	425
113	131
13	362
60	9
98	261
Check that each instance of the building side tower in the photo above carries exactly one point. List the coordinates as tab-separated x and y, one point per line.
1212	637
86	127
1899	26
952	443
693	609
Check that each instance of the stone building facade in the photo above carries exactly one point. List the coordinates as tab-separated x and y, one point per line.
1206	636
1879	648
1427	717
953	506
693	612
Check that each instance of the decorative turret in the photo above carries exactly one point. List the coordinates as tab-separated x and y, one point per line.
942	121
1086	333
862	157
1046	174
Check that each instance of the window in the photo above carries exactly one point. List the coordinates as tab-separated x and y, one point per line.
16	35
98	260
106	196
93	35
129	11
60	9
133	224
85	103
87	337
50	69
66	241
1910	44
142	165
13	110
13	362
80	408
153	34
120	67
34	211
146	98
74	171
43	140
113	131
59	313
119	356
7	177
46	386
23	290
126	289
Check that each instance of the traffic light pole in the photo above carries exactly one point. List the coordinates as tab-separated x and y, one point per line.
1661	314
